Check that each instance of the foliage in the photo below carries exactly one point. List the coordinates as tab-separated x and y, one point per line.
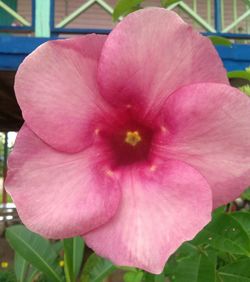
239	74
219	253
9	200
33	254
96	269
218	40
245	89
73	255
246	195
124	7
7	276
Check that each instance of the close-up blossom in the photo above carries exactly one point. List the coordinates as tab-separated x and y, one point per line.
130	139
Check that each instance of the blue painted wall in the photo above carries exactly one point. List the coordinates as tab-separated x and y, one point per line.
14	49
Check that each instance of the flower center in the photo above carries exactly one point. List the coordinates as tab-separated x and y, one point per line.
132	138
126	138
129	143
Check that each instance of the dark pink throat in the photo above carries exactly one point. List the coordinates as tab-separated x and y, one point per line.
128	140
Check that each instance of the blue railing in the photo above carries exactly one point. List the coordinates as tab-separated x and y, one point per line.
43	24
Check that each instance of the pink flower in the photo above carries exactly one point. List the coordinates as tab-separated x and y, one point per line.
128	139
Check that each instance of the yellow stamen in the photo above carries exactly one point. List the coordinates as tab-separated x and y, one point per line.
61	263
4	264
109	173
132	138
163	129
153	168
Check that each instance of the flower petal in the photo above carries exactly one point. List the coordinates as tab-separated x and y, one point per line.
150	54
59	195
209	129
161	207
57	90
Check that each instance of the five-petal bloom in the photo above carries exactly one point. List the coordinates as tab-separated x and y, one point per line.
129	139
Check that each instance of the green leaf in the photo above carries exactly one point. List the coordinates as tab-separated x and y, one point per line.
58	246
133	276
32	274
68	259
246	194
196	269
7	276
148	277
23	270
35	249
220	210
78	251
96	269
185	251
245	89
20	267
124	7
160	278
218	40
193	264
73	255
235	272
226	234
244	220
239	74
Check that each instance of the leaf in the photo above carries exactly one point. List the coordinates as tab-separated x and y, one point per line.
148	277
244	220
239	74
196	269
195	266
238	271
35	249
124	7
78	251
58	246
218	40
186	250
220	210
133	276
246	194
226	234
160	278
245	89
73	255
96	269
7	276
32	274
20	267
68	259
23	270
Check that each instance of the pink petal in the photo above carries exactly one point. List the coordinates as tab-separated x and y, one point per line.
150	54
57	91
209	129
161	207
57	194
